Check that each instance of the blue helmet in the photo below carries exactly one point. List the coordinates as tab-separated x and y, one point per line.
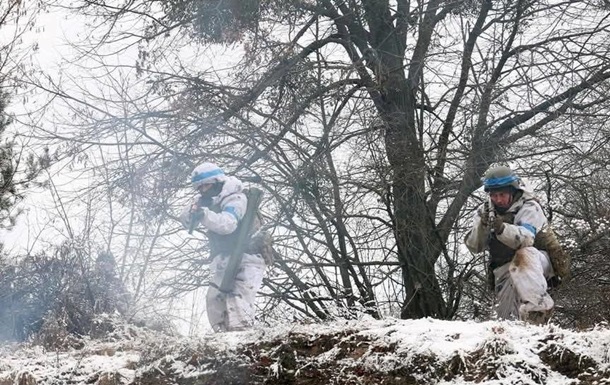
500	177
207	173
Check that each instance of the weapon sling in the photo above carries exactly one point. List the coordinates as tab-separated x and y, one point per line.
228	280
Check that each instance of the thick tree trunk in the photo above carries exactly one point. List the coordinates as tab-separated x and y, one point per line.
417	243
418	250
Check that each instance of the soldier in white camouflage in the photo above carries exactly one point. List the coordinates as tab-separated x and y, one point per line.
219	210
507	226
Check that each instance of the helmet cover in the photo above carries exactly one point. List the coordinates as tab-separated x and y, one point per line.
207	173
500	177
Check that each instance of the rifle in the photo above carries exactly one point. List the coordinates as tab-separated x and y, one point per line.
491	214
228	280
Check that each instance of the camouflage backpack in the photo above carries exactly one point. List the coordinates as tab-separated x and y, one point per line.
546	240
261	241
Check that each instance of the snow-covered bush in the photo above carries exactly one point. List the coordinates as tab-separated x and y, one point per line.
57	294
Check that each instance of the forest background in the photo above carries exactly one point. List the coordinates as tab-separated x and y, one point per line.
369	125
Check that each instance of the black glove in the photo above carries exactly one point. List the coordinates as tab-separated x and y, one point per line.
197	215
498	224
484	215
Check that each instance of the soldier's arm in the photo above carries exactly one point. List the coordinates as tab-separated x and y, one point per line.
225	222
477	237
528	221
185	215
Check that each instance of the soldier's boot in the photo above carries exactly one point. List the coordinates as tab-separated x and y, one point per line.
537	317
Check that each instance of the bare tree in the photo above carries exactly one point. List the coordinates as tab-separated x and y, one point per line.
370	123
577	200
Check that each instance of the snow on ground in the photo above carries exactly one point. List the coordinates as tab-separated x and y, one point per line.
368	351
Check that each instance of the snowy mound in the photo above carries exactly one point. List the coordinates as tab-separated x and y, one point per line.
390	351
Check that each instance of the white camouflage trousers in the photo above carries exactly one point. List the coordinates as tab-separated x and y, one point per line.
235	310
521	284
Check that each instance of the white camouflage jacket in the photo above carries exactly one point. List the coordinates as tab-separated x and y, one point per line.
529	220
233	204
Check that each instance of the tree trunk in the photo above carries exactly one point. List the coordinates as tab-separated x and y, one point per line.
418	250
418	245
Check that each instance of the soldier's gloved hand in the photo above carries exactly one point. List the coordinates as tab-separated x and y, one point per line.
197	215
484	215
498	224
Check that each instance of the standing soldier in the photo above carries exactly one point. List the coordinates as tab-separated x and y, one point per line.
221	209
507	225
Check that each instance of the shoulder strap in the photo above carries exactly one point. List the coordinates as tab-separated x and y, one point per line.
228	280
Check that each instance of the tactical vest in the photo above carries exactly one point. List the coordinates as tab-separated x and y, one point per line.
222	243
500	253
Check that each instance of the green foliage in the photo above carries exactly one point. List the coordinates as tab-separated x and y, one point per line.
8	188
17	170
